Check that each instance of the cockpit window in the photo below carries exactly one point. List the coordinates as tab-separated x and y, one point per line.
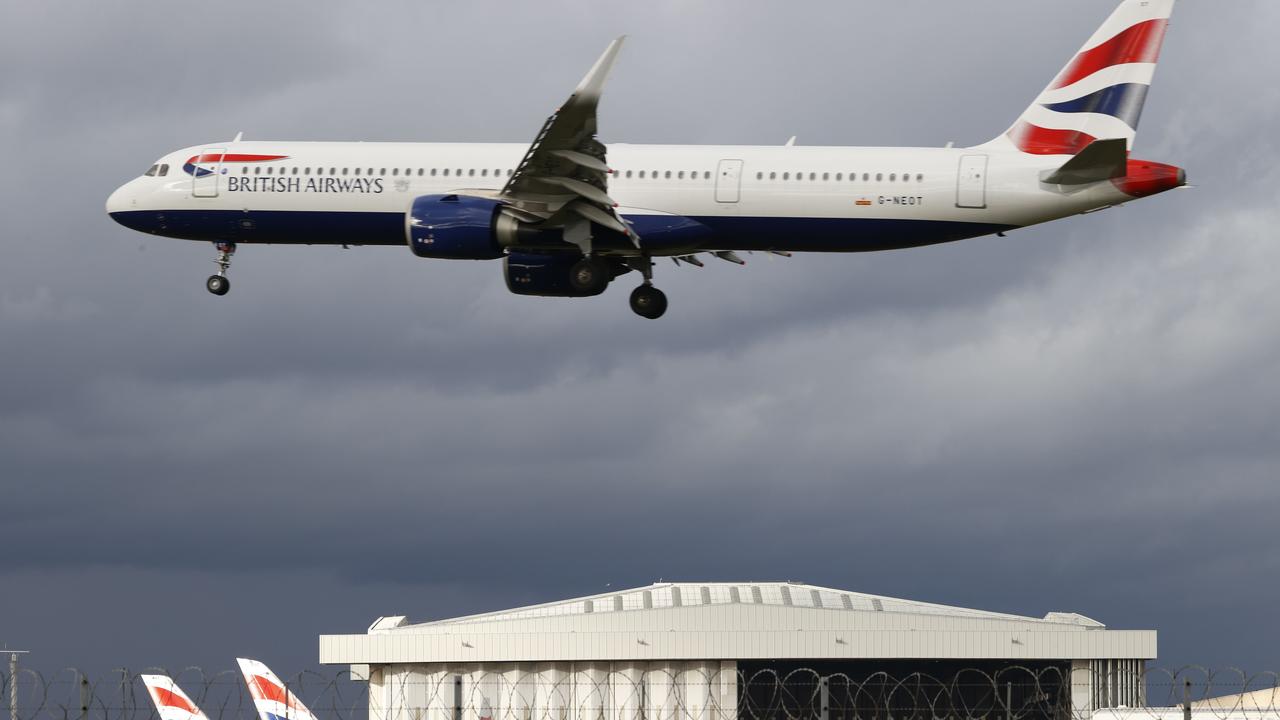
151	172
164	170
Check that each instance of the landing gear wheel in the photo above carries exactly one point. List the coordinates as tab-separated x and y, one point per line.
589	276
218	284
649	302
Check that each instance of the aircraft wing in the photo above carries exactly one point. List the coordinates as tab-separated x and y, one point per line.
563	180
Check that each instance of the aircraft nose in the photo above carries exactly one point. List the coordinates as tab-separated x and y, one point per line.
118	201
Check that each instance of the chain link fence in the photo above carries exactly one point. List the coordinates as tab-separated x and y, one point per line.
1012	693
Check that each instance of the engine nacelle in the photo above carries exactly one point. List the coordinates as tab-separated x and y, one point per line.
548	275
456	227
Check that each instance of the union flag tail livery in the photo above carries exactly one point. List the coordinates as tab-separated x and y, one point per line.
272	699
171	703
568	215
1099	95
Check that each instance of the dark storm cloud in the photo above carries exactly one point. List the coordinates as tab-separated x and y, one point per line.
1076	417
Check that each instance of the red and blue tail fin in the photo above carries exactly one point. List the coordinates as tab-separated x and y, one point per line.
272	699
1099	95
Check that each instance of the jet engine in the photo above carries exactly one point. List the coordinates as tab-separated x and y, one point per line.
548	275
459	227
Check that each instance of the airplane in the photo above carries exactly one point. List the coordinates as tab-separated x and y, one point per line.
171	703
272	698
568	214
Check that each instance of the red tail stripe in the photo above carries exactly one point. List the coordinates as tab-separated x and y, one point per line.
1036	140
1139	44
268	690
172	699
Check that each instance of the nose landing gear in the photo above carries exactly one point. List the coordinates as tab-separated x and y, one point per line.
220	284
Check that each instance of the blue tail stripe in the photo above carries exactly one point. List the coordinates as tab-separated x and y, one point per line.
273	716
1120	101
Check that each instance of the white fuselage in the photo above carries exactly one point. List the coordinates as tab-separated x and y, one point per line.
784	198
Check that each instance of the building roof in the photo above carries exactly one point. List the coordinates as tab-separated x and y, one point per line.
661	596
774	620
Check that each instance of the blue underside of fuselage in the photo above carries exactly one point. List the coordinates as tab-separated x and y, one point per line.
660	234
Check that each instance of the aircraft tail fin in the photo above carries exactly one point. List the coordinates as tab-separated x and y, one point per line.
171	703
1100	94
273	700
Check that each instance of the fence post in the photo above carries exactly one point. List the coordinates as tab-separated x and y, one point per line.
13	686
84	696
1008	701
1186	699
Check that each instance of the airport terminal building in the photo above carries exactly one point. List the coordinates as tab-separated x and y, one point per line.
750	651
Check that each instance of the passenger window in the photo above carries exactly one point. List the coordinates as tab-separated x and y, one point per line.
786	176
421	172
433	172
346	170
471	172
257	170
879	177
484	172
395	171
826	176
759	176
446	172
680	176
919	178
357	171
893	177
800	176
773	176
295	170
813	176
628	174
706	175
839	177
641	174
668	175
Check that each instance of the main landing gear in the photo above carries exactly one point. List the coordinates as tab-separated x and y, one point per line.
220	284
647	301
591	276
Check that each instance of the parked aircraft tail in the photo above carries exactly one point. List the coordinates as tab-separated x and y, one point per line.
171	703
272	699
1099	95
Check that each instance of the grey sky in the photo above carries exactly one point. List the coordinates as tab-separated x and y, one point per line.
1078	417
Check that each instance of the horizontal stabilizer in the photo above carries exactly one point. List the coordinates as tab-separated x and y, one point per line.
1102	160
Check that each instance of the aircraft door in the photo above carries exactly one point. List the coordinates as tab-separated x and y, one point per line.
729	181
206	171
972	189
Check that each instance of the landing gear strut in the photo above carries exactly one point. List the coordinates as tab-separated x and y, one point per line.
219	284
648	301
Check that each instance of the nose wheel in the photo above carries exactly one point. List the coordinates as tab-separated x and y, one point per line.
220	284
